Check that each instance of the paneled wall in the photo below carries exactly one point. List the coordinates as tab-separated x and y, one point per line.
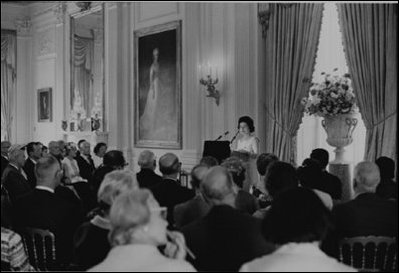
227	34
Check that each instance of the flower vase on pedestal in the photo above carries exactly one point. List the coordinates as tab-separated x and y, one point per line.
339	131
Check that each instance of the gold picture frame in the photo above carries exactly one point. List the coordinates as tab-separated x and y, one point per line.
158	88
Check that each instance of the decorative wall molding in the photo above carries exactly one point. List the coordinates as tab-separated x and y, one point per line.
45	42
23	26
59	11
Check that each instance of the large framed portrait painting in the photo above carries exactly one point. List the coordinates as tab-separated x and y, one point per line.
45	105
157	69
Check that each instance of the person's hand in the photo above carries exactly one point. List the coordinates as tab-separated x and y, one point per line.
176	245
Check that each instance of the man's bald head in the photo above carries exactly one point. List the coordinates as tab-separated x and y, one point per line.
169	164
366	176
217	186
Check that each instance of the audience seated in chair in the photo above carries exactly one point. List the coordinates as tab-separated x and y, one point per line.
147	177
225	238
387	188
330	183
85	162
5	146
209	161
14	178
368	214
91	239
280	176
113	160
310	176
296	223
137	229
34	151
99	151
169	192
45	208
262	163
245	202
196	208
12	251
54	149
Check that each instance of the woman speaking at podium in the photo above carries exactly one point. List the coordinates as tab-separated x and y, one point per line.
246	147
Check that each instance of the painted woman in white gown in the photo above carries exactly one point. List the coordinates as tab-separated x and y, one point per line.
248	143
148	119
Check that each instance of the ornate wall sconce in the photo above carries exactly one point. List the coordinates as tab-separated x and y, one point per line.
209	82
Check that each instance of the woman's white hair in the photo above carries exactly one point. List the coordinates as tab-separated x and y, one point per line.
115	183
129	211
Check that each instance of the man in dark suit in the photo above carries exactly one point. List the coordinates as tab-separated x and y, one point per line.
367	214
5	145
329	183
195	208
85	162
225	238
147	177
44	208
55	150
14	179
169	192
34	151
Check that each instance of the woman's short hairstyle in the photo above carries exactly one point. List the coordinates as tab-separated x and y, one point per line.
236	168
114	159
386	166
129	211
249	121
296	215
263	161
69	146
280	176
115	183
98	147
209	161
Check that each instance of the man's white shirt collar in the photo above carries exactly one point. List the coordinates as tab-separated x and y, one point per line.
44	188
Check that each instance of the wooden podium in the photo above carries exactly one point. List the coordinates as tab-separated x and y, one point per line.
218	149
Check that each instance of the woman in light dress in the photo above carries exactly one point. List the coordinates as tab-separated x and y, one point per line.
138	228
70	165
247	145
147	120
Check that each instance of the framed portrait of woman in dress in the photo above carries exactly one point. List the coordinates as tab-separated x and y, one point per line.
44	105
157	77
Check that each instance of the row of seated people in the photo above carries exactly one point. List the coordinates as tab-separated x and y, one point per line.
219	220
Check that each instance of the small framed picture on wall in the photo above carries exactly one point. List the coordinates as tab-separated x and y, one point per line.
45	104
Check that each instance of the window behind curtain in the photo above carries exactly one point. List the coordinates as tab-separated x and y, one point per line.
330	55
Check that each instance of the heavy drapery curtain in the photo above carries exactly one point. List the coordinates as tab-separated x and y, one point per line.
83	96
291	45
370	43
8	80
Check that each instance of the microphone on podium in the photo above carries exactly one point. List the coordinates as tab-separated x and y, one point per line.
225	134
235	136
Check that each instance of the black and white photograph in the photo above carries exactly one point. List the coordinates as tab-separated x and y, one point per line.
230	136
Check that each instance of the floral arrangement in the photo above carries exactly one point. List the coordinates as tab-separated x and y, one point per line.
331	97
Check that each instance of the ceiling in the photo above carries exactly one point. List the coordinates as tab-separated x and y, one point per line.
21	3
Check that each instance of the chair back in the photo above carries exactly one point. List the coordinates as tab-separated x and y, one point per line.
369	253
40	247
